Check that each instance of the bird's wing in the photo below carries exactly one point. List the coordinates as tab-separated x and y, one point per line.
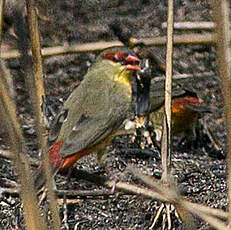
199	108
96	109
157	94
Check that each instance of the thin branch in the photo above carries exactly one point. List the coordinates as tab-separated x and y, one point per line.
166	150
7	154
37	61
207	217
87	194
207	210
187	39
186	76
184	39
172	194
33	220
191	25
162	193
221	17
2	6
37	91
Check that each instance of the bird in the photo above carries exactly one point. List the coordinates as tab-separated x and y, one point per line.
186	110
186	106
94	111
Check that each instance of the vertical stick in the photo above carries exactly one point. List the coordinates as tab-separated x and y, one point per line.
221	17
166	142
36	94
33	220
36	54
2	6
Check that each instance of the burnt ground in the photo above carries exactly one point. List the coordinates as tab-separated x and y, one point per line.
201	172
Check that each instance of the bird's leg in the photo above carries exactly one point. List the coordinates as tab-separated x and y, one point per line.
143	130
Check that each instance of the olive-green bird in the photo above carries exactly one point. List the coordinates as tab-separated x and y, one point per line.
94	111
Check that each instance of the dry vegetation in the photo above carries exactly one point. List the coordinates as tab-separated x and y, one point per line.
90	204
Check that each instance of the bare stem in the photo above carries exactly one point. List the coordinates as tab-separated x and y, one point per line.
33	219
36	84
187	39
2	6
166	151
221	16
191	25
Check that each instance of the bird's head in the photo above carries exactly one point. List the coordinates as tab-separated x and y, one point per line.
119	63
124	66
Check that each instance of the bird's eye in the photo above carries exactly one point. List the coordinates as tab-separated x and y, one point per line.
116	58
120	57
109	56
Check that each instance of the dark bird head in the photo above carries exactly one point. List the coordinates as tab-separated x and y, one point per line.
141	89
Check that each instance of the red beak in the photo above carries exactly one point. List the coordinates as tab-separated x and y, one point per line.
133	67
133	62
132	58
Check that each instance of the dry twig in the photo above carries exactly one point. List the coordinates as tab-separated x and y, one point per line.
186	76
157	191
191	25
192	39
221	17
2	6
7	154
166	140
35	82
8	112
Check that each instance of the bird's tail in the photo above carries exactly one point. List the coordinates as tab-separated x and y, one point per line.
199	108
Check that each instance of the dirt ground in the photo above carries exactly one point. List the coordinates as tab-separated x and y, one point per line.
200	173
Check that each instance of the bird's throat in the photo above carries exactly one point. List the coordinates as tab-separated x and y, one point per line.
124	77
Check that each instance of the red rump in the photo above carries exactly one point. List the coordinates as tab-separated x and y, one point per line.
57	161
54	154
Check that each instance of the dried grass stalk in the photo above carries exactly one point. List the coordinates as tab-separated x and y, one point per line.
33	219
187	39
2	6
221	17
35	82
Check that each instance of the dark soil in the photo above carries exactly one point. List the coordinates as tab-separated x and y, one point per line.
200	172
